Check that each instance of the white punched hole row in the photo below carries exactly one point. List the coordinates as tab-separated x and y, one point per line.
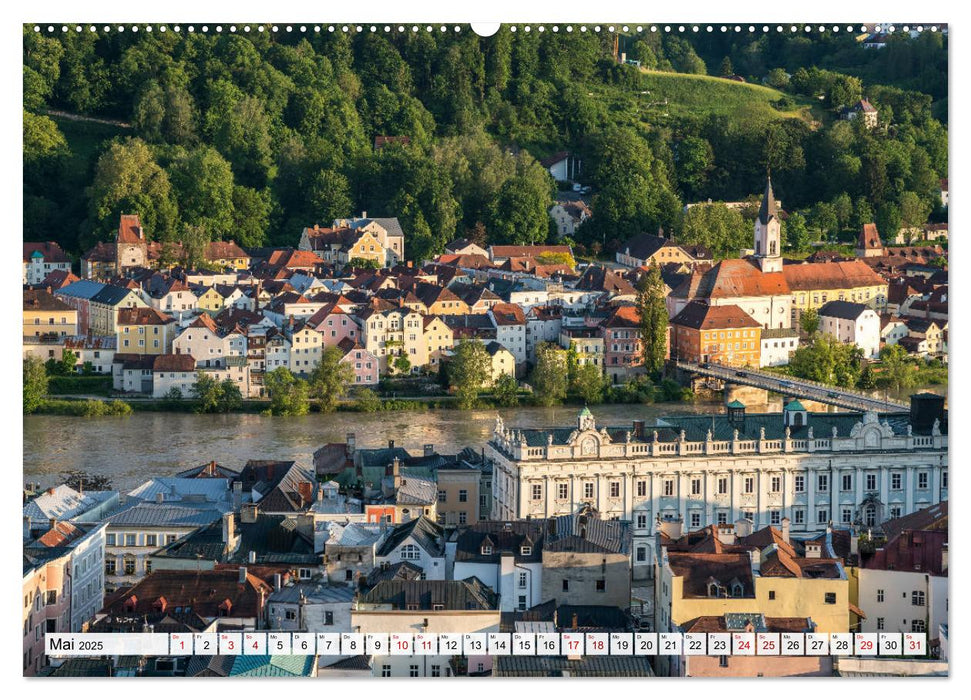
401	28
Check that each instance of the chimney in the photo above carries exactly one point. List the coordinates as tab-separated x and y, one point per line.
52	522
390	444
396	473
944	557
351	441
249	513
242	574
743	527
638	430
26	527
854	544
429	450
160	497
785	529
237	496
756	561
813	550
277	582
229	530
363	214
320	492
252	557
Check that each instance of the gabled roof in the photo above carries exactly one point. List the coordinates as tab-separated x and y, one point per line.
130	229
204	592
220	250
143	316
504	537
597	278
869	237
831	275
931	518
508	315
174	363
733	278
699	316
846	310
49	250
42	300
428	535
587	534
469	594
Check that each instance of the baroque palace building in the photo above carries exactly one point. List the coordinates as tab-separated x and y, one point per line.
816	469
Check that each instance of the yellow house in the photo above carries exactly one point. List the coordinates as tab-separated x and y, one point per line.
46	316
210	300
503	361
438	338
815	284
440	301
365	246
225	254
144	331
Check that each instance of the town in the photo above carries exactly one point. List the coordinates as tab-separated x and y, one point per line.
691	523
653	325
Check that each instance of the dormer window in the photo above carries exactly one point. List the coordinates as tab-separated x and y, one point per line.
525	550
486	549
737	590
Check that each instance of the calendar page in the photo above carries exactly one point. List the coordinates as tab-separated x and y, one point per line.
431	349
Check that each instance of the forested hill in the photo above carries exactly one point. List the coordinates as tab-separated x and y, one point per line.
255	136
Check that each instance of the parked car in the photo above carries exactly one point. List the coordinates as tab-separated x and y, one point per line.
741	374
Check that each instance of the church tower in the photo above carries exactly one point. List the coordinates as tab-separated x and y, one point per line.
768	232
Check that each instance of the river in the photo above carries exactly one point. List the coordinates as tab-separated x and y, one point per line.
135	448
132	449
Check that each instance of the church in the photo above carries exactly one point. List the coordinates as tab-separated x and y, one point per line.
771	291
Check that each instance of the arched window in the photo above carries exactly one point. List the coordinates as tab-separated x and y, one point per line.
737	590
797	420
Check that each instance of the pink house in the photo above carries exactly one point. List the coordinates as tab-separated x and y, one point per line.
47	596
364	363
334	325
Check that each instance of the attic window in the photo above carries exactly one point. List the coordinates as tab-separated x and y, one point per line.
438	606
412	606
486	549
525	550
737	590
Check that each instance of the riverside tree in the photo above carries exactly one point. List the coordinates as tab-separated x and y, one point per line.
468	371
653	320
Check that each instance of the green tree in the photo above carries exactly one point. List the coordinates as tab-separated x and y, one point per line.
722	230
809	321
844	90
725	69
289	396
469	369
867	380
897	368
368	401
796	232
549	377
695	160
402	364
329	197
653	316
207	392
888	220
230	397
505	391
862	213
251	216
589	384
35	384
165	114
203	184
128	180
777	78
195	240
330	379
913	213
43	141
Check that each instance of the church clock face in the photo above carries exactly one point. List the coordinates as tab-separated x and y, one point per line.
588	446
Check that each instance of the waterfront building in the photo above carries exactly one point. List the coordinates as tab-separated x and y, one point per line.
711	469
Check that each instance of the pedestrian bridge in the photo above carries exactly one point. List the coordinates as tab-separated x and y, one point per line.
793	386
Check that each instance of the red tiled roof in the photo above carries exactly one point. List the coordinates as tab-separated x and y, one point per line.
173	363
733	278
699	316
203	591
42	300
130	229
220	250
869	237
51	251
508	315
831	275
512	251
144	316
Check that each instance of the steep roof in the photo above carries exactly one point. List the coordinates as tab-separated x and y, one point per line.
130	229
143	316
831	275
427	534
732	278
508	315
846	310
769	209
219	250
42	300
49	250
869	237
174	363
931	518
699	316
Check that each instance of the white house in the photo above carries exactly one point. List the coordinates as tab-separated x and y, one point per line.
208	344
893	330
506	556
543	325
41	259
778	344
852	323
420	542
310	607
510	322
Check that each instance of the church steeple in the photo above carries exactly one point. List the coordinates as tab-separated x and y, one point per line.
768	210
768	232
